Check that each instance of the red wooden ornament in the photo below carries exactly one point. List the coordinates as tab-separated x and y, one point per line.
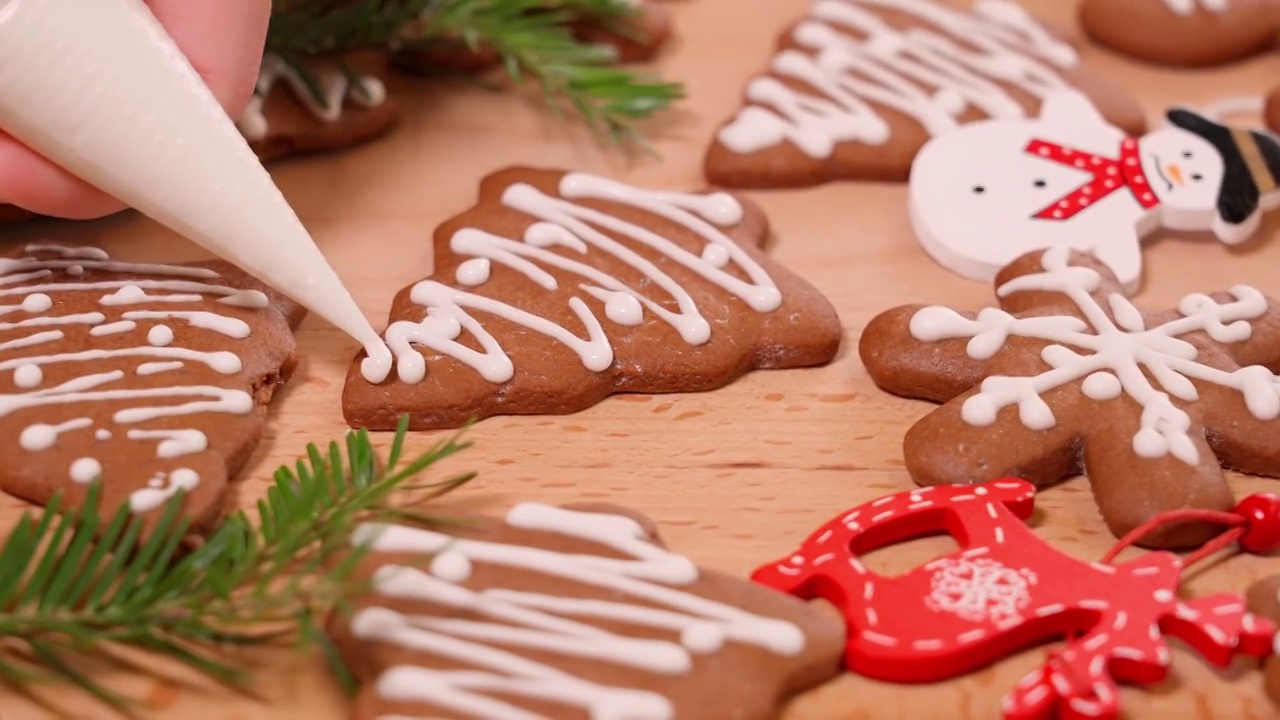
1003	591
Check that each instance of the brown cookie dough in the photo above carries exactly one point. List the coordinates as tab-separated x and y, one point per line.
858	86
149	377
1066	376
559	289
286	118
1183	33
566	613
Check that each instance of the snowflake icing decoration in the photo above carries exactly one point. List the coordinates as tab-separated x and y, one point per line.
1117	355
978	590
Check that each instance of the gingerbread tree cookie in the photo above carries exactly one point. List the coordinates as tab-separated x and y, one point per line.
1067	376
575	612
151	378
561	288
858	86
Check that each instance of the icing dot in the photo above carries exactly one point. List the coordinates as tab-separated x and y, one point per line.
36	303
624	309
255	299
156	481
1162	595
85	470
227	363
453	567
75	270
703	638
797	560
38	437
125	295
716	254
102	434
27	376
160	335
473	272
722	209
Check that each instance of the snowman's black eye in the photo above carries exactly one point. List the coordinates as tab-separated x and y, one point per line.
1187	154
978	189
1039	183
1197	177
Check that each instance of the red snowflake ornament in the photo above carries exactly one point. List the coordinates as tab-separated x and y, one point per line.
1003	591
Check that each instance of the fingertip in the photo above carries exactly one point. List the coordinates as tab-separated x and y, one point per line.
32	183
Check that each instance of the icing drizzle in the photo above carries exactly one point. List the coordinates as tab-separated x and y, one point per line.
562	238
1187	7
849	59
336	87
155	308
549	624
1111	353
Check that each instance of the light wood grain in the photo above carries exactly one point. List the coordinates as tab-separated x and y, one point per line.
734	477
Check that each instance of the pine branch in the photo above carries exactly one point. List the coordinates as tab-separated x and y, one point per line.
71	588
534	41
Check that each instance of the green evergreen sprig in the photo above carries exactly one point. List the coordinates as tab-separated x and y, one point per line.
74	586
532	38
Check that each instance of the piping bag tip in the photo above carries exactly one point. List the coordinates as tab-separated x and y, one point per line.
101	89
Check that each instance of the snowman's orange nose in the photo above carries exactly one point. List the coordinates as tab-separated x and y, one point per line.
1175	173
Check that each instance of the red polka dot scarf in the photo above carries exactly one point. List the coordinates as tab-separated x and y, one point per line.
1108	176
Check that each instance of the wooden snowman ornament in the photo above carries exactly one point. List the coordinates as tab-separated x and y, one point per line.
987	192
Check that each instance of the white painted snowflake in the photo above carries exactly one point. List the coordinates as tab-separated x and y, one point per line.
979	590
1111	354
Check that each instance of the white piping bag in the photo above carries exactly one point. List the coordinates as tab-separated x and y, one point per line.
98	87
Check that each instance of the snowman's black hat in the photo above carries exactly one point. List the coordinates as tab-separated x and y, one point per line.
1251	163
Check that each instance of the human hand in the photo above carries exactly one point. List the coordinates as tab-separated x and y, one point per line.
223	39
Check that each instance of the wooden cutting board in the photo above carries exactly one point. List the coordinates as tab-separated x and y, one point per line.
735	477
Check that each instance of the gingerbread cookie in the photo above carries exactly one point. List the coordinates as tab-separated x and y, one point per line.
336	107
150	377
1183	33
14	214
858	86
1066	376
1264	600
559	289
575	612
985	193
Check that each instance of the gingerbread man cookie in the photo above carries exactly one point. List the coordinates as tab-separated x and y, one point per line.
858	86
149	377
559	289
985	193
570	612
1183	33
1066	376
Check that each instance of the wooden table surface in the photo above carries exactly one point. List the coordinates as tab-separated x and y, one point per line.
734	477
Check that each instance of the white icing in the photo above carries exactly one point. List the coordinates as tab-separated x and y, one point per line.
152	497
42	437
160	335
173	443
152	368
156	286
1113	353
849	59
27	375
119	326
335	87
565	229
85	470
473	272
1187	7
550	624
